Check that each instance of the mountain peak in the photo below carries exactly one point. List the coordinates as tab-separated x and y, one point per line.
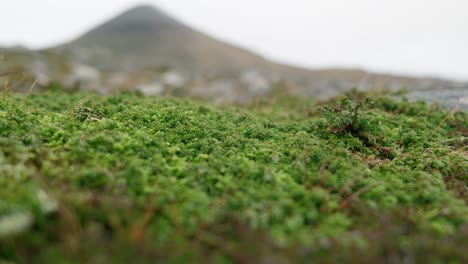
145	9
145	14
146	36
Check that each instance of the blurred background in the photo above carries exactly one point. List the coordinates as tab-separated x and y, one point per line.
234	51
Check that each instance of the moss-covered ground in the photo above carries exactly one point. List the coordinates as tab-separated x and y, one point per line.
128	179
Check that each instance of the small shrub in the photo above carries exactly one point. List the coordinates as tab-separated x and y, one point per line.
86	110
347	116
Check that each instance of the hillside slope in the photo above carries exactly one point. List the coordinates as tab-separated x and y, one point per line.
146	36
125	178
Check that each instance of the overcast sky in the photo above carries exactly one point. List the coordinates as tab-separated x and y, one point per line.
419	37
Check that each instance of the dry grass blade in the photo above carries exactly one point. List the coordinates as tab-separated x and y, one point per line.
27	94
461	139
454	110
5	89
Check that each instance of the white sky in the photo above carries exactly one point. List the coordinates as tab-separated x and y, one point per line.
420	37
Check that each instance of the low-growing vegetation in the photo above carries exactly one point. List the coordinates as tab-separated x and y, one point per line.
124	178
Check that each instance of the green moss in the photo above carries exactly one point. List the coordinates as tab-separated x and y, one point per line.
175	180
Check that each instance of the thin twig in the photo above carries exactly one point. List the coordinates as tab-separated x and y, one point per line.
348	184
362	191
322	169
6	73
14	85
138	229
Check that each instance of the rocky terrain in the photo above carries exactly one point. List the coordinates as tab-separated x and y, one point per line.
457	97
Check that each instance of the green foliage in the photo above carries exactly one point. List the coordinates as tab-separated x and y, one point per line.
347	117
85	110
125	178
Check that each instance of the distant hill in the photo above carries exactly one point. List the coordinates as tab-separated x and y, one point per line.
146	36
144	48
